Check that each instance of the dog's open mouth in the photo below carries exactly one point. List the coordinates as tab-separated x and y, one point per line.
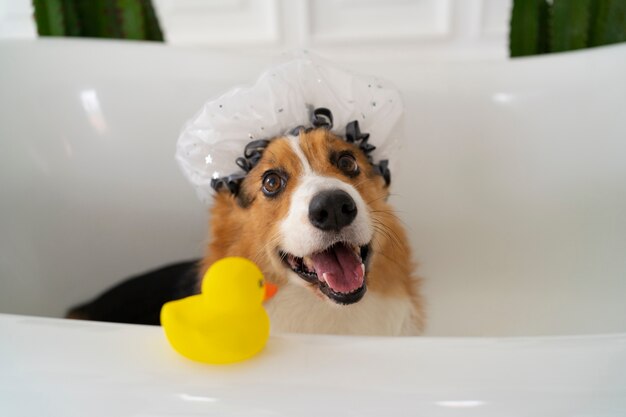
339	271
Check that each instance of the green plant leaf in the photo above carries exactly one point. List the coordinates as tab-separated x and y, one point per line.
87	17
608	22
122	19
49	17
153	29
569	24
72	25
132	19
528	34
544	27
110	18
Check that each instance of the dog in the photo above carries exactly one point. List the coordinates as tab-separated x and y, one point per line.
312	213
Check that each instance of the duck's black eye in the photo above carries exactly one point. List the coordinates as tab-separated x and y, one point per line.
260	283
273	183
347	164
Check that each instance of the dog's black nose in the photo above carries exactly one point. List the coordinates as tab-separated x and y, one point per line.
332	210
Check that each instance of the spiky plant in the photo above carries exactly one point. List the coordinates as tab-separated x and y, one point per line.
120	19
541	26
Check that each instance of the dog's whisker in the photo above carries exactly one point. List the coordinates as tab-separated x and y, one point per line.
390	240
383	232
270	243
363	181
396	239
380	250
376	199
391	235
390	213
393	261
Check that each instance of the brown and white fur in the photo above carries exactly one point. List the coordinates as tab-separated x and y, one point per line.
266	229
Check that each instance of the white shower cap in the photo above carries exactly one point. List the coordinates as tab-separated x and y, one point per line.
282	99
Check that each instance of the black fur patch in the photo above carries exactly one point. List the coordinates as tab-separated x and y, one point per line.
138	300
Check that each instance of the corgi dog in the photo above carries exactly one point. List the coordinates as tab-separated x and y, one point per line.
312	213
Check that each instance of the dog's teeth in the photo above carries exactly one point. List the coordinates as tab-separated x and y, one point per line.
363	268
308	263
324	277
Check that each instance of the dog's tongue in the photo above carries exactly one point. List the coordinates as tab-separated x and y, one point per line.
342	267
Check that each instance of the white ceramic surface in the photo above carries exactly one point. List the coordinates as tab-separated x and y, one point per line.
512	185
512	182
63	368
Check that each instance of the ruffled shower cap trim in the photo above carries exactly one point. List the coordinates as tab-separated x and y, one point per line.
226	138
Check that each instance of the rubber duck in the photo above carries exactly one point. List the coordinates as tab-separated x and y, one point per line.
225	323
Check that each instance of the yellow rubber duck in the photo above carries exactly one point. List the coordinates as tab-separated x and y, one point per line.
225	323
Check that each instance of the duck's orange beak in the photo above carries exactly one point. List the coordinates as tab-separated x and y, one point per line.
270	290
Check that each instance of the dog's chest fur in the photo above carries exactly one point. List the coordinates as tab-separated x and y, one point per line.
296	309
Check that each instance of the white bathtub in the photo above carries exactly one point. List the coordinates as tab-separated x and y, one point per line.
512	183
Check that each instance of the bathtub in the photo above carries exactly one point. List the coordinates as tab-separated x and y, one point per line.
512	184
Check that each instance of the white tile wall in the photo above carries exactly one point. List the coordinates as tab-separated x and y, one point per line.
16	19
446	29
495	17
219	22
378	20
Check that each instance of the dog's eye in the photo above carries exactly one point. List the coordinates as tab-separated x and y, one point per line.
272	183
347	163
